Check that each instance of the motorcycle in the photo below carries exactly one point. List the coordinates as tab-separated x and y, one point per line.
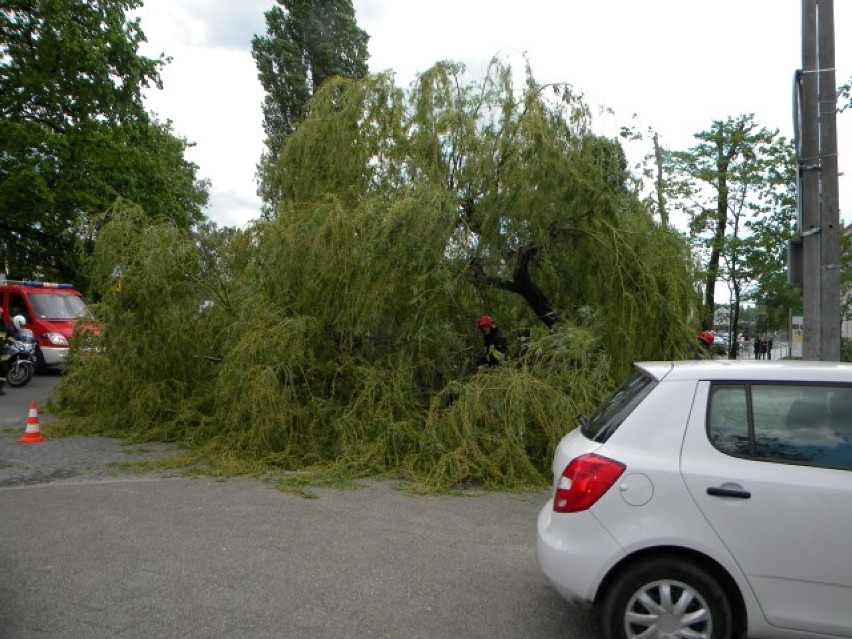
22	360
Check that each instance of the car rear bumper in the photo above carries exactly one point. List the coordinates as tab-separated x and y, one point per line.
574	551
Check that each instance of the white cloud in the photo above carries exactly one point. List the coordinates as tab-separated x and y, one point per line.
213	98
234	208
677	65
202	23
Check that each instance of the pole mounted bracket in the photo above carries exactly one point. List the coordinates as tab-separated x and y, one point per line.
814	231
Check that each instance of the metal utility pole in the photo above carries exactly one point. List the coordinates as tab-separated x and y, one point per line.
819	222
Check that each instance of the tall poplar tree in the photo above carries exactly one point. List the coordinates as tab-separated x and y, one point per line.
306	43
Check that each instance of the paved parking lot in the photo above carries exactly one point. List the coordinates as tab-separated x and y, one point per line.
92	555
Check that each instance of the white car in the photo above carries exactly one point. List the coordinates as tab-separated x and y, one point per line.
709	499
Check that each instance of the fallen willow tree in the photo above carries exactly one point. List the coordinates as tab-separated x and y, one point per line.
339	335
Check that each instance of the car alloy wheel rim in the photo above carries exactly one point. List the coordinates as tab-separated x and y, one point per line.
667	609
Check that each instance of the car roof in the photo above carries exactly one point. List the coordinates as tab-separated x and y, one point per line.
744	370
24	288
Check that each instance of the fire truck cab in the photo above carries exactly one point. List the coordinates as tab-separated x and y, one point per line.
50	311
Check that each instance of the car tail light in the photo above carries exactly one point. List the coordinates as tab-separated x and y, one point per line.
584	481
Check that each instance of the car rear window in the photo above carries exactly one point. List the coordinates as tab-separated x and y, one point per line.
610	415
808	424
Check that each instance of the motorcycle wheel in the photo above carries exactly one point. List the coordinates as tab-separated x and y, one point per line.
20	374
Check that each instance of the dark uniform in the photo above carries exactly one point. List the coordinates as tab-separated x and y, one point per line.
5	343
495	342
495	347
705	341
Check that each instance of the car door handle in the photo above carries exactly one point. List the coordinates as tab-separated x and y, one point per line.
728	492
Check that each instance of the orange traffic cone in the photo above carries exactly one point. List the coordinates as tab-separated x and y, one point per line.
32	434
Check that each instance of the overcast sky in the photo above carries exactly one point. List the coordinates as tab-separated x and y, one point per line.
676	65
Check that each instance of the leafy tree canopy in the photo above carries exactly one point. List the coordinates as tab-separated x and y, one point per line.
737	187
74	135
525	204
341	332
69	61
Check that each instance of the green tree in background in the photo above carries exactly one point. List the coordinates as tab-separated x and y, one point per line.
737	185
74	135
306	43
765	250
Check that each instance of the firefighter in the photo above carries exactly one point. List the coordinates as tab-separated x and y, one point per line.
705	341
5	343
495	342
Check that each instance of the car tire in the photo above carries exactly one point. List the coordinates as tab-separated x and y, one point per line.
665	597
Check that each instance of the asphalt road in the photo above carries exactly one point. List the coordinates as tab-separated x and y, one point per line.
86	554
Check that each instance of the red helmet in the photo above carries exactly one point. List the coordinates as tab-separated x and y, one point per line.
706	337
486	321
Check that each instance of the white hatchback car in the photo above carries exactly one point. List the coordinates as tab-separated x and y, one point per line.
709	499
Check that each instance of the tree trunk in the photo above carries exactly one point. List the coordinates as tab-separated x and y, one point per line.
523	285
661	197
723	162
733	345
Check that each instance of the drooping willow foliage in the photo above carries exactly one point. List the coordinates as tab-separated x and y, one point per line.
340	334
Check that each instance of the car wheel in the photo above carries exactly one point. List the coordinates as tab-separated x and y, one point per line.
666	597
